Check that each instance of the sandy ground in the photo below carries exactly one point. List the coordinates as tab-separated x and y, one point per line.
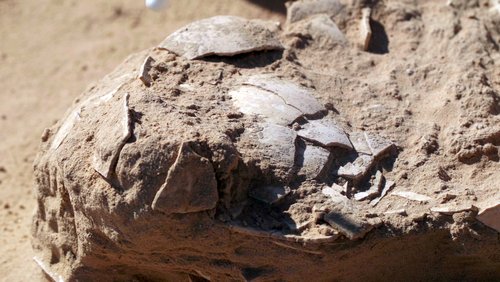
50	50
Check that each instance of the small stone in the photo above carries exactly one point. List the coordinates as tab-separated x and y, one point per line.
221	36
190	185
299	10
350	226
447	197
356	169
490	149
325	133
269	194
45	135
144	75
412	196
2	169
314	161
365	28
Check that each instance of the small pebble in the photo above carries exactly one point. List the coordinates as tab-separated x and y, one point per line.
156	5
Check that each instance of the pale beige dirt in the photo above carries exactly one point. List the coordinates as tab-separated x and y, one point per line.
50	50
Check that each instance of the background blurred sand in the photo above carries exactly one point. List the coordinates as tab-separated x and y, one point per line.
50	50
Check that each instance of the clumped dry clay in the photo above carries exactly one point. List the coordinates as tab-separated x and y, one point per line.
356	141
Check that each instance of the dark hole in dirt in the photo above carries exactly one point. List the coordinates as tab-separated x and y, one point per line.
380	42
249	60
277	6
251	273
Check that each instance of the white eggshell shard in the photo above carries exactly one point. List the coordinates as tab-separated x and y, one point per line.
111	136
255	101
156	5
299	10
294	95
325	132
222	36
279	142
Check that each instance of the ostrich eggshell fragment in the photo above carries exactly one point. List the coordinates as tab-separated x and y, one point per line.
294	95
255	101
221	36
412	196
349	225
370	144
320	27
387	187
378	145
190	186
365	29
358	140
110	137
356	169
301	9
326	133
315	159
280	141
451	209
374	190
144	75
489	214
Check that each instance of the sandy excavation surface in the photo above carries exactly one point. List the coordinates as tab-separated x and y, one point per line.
50	51
430	84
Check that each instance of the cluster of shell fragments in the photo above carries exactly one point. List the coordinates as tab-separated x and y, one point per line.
193	142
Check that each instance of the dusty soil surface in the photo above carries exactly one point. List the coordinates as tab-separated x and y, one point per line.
50	51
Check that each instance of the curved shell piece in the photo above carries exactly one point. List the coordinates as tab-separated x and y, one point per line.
111	137
256	101
299	10
326	133
190	185
292	94
222	36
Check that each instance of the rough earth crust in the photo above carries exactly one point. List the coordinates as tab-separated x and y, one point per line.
345	163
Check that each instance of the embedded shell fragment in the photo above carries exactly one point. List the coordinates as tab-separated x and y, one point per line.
222	36
301	9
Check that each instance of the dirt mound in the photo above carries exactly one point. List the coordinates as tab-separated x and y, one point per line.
335	151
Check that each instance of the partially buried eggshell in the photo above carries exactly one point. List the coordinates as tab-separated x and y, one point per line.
156	4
